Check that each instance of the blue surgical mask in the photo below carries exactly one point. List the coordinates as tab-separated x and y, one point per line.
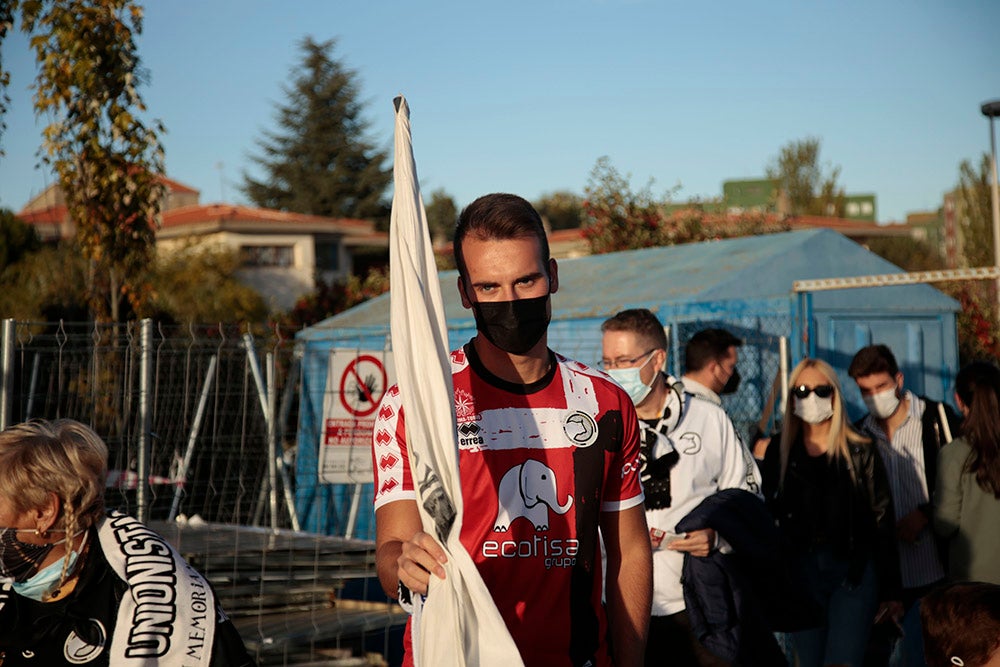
631	381
46	579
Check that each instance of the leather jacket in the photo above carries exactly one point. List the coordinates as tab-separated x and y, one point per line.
868	533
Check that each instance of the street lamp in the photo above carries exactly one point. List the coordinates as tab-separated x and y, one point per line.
991	110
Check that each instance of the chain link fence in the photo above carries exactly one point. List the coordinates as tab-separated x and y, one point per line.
760	357
200	423
209	417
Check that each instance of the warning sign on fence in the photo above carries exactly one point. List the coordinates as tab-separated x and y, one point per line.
355	383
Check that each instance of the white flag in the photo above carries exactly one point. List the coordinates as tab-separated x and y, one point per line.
459	624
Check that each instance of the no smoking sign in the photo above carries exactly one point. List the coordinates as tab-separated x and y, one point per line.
362	385
356	381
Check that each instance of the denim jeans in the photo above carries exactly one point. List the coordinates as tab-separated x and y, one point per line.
849	607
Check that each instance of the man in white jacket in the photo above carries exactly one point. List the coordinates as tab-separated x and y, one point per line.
689	451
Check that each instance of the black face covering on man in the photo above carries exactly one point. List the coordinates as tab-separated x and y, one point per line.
732	384
513	326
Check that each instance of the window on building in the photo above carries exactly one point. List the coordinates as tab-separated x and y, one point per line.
853	208
866	208
327	255
267	255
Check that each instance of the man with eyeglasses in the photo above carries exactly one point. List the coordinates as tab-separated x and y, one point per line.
909	430
688	452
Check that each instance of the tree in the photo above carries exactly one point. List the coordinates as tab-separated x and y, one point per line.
978	336
908	253
619	219
328	299
106	159
808	188
200	284
17	239
442	214
561	210
46	285
319	162
976	206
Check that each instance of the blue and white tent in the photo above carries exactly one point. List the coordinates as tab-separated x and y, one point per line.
743	284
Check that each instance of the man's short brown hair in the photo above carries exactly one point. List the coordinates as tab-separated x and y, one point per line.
640	321
499	216
706	346
871	360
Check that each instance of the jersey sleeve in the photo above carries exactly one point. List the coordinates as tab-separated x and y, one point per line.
390	461
623	488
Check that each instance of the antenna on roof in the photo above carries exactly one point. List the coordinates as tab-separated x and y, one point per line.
222	181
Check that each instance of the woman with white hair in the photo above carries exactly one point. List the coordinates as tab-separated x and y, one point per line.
79	586
828	490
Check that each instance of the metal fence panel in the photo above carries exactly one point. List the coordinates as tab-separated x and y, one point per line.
216	411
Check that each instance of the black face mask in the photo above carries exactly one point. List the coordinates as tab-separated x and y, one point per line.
20	560
732	384
513	326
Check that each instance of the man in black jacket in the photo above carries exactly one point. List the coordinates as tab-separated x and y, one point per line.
909	430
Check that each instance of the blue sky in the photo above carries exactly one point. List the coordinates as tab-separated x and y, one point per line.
525	96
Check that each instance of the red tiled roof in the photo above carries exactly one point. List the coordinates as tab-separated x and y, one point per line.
848	227
54	215
222	213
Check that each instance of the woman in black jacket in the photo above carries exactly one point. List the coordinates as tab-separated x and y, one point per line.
829	494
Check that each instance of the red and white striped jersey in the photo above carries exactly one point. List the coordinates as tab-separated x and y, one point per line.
538	464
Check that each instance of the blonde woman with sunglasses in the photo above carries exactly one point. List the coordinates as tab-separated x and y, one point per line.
828	490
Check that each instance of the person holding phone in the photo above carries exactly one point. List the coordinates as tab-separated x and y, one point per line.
689	451
827	488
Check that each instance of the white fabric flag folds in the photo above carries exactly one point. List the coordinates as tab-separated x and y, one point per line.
459	624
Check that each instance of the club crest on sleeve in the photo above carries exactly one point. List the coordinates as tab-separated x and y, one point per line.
580	428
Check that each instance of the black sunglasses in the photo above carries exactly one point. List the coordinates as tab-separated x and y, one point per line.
823	391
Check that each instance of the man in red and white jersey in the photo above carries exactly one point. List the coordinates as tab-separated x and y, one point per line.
548	454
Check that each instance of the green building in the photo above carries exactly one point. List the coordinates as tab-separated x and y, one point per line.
859	207
752	194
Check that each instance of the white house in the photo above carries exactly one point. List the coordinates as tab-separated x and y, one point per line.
281	254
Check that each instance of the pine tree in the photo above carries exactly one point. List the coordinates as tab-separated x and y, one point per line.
319	161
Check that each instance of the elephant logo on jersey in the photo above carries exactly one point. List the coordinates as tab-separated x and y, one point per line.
80	650
580	428
528	491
